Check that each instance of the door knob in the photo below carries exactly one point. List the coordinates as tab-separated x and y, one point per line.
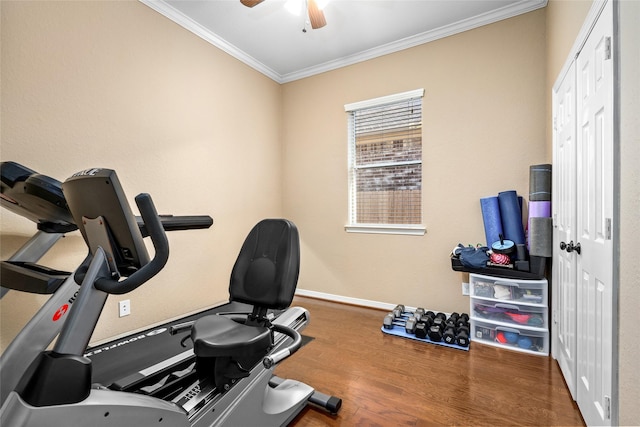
563	246
571	247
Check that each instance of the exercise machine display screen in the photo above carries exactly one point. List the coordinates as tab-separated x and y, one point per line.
95	193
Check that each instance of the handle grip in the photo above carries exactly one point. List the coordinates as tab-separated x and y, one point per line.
276	357
160	245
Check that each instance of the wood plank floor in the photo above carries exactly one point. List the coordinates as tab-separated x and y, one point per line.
387	381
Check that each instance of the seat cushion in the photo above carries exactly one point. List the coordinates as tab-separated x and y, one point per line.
219	336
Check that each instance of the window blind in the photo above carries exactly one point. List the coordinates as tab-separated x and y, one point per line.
385	141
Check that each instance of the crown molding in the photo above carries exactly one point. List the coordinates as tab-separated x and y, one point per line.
506	12
189	24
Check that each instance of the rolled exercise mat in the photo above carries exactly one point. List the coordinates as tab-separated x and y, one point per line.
540	237
511	215
537	209
540	183
491	218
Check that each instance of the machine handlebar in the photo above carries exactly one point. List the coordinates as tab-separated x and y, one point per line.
280	355
158	237
178	223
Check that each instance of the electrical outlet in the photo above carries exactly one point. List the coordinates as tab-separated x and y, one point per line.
124	308
465	288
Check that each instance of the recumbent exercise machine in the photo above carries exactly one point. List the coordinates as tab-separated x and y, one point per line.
227	376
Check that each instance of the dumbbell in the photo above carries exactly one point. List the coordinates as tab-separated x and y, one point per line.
462	336
413	321
449	335
421	330
440	321
437	327
463	319
394	317
435	333
459	336
453	318
390	320
398	311
411	324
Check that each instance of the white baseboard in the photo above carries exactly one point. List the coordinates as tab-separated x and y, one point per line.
354	301
347	300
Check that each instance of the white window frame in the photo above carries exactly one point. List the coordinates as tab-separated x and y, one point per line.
407	229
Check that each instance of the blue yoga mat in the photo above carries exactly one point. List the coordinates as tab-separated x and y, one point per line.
491	218
511	215
399	331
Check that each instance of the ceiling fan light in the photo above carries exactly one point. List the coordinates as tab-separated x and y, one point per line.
294	7
322	3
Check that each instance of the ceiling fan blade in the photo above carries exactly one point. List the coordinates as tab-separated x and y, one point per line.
251	3
315	15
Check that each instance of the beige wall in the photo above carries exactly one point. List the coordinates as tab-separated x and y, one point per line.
629	291
564	21
117	85
483	125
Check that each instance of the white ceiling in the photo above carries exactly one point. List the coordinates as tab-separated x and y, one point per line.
271	40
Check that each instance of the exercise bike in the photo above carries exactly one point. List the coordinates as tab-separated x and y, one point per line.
226	378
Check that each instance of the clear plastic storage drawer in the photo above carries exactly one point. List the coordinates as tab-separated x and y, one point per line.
520	339
521	291
503	312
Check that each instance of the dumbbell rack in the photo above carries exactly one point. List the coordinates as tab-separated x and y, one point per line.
397	328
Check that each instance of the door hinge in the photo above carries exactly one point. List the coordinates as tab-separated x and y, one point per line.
607	404
555	123
608	229
607	48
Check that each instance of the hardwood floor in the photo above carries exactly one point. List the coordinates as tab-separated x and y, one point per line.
386	381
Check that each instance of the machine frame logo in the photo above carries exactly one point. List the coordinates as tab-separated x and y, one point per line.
60	312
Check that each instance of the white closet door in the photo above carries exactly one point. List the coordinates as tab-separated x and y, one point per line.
564	215
594	84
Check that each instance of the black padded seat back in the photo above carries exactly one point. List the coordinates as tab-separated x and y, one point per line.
266	271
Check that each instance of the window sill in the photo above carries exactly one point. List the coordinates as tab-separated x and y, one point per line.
409	230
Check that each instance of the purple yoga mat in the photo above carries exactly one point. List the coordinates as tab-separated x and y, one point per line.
511	215
491	218
539	209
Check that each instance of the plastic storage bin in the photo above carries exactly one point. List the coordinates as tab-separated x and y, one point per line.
509	313
533	292
518	339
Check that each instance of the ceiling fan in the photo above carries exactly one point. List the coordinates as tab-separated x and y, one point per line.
316	16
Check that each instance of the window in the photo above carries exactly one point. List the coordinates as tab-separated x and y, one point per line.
385	164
